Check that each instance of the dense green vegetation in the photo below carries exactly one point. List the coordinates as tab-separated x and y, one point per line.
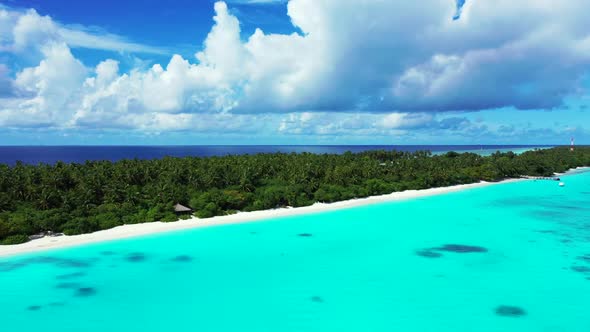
82	198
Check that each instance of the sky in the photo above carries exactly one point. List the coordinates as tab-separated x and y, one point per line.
393	72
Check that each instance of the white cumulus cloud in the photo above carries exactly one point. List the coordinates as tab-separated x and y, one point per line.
397	61
24	31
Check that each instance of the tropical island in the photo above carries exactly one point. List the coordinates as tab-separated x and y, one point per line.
99	195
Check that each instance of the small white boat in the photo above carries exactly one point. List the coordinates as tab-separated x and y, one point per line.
562	184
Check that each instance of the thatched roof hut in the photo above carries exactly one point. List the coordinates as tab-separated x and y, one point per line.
179	208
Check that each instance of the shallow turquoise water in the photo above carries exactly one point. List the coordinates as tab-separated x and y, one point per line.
360	269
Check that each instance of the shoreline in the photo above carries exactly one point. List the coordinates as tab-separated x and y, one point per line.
143	229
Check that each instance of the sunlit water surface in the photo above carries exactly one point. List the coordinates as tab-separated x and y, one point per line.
509	257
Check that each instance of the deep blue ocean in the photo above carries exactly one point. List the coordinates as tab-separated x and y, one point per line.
79	154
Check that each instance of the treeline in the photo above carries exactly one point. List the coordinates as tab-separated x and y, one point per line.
82	198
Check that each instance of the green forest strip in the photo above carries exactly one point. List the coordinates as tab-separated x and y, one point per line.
98	195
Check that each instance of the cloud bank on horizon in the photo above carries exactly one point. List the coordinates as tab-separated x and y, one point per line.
353	68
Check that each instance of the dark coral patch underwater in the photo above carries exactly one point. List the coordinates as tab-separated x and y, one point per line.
85	291
581	269
136	257
510	311
70	275
305	235
59	262
182	259
460	248
428	253
34	308
455	248
317	299
547	231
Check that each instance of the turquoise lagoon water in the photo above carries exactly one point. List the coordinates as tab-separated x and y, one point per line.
383	267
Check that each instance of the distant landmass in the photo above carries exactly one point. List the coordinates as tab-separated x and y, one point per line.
79	154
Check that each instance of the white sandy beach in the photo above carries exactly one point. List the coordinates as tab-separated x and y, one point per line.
127	231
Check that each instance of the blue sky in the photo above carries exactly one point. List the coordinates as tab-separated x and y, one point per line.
294	72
